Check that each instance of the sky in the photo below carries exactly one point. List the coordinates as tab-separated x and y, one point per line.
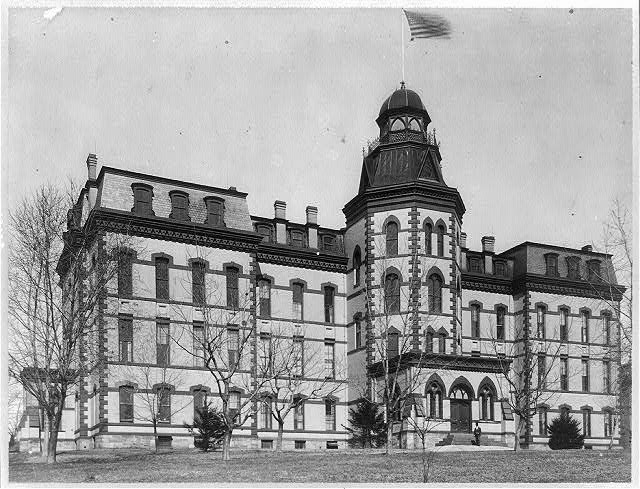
533	108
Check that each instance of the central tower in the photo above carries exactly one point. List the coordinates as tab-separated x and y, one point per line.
403	241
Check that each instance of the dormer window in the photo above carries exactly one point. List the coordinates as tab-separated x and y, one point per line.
551	260
215	211
179	205
593	271
573	267
264	230
329	242
398	125
296	238
500	268
414	125
474	265
142	199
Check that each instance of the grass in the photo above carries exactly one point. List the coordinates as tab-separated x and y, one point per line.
353	466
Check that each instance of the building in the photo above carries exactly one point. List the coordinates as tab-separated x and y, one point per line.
397	284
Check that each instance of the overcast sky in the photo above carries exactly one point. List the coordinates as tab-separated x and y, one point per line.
533	108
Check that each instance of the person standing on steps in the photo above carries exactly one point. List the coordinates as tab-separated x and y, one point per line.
477	432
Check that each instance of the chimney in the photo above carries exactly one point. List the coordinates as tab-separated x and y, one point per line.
463	240
92	163
280	209
312	215
487	244
587	248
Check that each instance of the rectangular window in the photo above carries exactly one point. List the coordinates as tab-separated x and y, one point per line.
198	344
126	404
358	330
266	408
234	400
232	287
429	347
475	321
265	353
266	444
233	347
162	278
585	327
125	287
264	290
542	421
541	316
573	268
585	375
125	332
162	342
606	376
298	295
198	282
142	199
329	298
542	371
297	239
474	265
330	414
500	323
586	423
606	329
298	416
564	321
199	403
443	344
593	271
300	444
500	269
564	379
608	424
164	405
298	356
329	360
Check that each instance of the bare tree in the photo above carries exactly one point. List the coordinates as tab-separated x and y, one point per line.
423	426
56	281
293	373
221	337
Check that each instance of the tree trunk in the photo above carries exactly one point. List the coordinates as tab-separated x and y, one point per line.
516	440
389	437
226	445
279	439
54	426
155	432
425	467
46	435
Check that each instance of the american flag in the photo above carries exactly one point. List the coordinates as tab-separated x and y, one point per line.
427	25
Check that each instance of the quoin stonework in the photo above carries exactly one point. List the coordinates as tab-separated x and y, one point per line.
399	288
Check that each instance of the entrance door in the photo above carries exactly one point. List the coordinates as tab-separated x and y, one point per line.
460	415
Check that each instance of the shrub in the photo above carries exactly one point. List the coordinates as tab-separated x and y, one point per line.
367	426
208	428
564	433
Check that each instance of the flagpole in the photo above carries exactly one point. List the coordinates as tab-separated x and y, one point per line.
402	34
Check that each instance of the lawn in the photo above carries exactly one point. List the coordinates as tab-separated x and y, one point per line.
353	466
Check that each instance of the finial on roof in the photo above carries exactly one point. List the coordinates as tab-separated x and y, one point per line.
402	85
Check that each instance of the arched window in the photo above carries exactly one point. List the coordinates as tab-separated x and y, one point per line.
266	409
392	293
542	420
441	240
442	343
392	238
398	125
357	262
435	293
459	393
179	205
142	199
392	343
428	231
414	125
434	401
199	402
486	403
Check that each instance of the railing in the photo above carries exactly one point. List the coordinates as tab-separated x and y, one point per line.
428	137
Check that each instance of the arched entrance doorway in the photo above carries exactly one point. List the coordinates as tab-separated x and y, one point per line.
460	407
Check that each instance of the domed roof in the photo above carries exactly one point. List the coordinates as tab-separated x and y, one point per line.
402	98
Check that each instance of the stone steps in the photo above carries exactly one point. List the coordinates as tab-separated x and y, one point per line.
468	439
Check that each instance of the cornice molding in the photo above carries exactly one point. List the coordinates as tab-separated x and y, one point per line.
441	361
